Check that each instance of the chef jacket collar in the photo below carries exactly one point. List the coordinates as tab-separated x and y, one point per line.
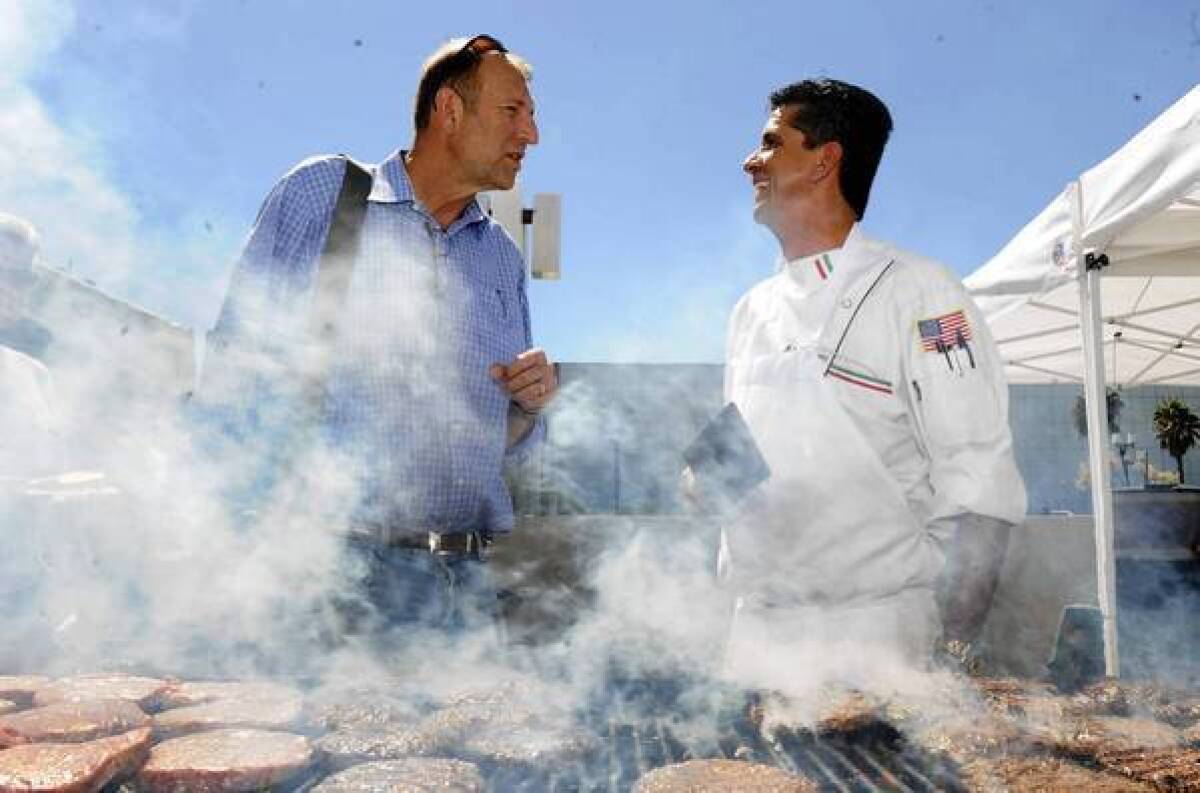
811	273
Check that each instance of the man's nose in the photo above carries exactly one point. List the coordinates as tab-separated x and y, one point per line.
529	131
750	164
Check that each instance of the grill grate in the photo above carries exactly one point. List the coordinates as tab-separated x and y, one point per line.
873	760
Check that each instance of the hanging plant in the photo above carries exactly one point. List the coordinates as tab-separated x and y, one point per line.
1113	405
1177	429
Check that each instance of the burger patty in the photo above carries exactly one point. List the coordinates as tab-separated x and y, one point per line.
506	732
721	776
224	761
143	691
830	709
969	735
1093	736
269	713
71	722
1168	769
19	689
72	767
359	707
530	746
1141	698
350	746
414	775
184	693
1040	775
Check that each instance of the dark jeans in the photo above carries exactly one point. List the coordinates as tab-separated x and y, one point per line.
406	590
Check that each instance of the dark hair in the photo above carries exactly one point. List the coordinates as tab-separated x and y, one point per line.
831	110
455	64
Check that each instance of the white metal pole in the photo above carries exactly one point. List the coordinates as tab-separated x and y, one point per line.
1095	395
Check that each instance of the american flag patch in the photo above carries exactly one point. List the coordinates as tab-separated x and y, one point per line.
948	330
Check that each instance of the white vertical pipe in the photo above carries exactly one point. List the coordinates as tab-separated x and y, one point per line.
1095	395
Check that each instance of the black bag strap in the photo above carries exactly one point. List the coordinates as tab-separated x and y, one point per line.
341	248
334	269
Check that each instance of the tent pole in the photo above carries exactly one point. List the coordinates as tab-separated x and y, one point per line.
1090	321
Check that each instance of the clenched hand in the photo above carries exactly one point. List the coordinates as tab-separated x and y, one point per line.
528	378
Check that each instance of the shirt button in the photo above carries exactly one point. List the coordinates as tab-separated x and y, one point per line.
847	303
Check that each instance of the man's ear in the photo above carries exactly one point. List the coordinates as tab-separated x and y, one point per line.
831	158
448	108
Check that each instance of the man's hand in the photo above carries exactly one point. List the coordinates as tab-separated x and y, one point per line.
975	551
529	380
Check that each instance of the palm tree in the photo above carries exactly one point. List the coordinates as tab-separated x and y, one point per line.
1177	429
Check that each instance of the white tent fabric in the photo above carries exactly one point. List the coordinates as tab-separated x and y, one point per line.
1141	208
1057	318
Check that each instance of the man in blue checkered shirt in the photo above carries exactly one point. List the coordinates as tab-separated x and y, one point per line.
433	378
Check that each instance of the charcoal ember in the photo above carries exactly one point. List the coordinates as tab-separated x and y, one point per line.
269	713
1040	775
7	707
143	691
184	693
224	761
413	775
1093	736
1167	769
20	689
721	776
72	722
352	745
72	767
359	707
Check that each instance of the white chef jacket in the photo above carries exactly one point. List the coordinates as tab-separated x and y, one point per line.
28	421
915	367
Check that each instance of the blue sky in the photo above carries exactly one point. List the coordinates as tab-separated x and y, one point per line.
140	136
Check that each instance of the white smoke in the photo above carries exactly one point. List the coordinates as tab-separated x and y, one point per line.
55	172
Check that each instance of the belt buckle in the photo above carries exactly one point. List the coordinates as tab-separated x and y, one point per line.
473	544
436	545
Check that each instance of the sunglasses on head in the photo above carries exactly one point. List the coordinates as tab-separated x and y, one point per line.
465	58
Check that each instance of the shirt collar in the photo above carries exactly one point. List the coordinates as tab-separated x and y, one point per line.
395	188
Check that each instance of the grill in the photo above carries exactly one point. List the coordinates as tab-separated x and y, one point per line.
871	760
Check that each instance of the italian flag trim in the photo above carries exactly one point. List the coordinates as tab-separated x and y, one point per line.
824	266
860	379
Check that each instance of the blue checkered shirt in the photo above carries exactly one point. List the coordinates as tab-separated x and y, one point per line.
410	411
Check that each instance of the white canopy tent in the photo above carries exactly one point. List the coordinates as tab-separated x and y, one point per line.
1107	278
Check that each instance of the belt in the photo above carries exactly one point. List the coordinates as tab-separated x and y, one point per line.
464	543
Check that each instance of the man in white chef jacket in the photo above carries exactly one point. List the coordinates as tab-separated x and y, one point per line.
874	390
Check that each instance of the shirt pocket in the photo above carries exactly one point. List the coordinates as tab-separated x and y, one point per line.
502	304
